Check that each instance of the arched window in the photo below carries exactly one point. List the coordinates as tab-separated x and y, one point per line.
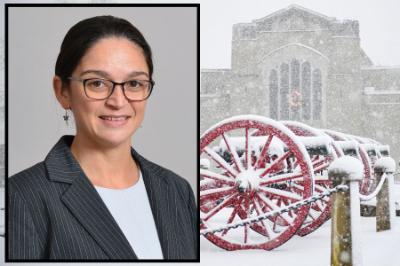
273	94
306	90
317	94
295	91
284	91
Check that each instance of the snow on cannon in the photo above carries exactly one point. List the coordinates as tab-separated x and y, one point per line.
322	150
366	150
258	176
269	169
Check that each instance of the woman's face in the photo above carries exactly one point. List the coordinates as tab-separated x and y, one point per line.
119	60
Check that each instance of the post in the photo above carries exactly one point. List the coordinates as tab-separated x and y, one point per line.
385	210
347	171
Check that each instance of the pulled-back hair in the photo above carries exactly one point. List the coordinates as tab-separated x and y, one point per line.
86	33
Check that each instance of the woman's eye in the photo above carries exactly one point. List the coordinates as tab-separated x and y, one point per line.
134	83
97	83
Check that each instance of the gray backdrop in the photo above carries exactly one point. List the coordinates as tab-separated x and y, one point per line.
168	135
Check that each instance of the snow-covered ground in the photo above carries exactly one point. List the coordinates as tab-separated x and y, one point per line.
313	250
378	249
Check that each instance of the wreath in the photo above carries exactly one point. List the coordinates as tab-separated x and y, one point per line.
295	99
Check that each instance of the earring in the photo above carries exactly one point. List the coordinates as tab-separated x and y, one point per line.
66	117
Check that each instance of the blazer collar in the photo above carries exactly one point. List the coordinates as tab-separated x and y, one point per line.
159	191
82	199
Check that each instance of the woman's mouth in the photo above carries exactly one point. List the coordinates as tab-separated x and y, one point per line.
114	121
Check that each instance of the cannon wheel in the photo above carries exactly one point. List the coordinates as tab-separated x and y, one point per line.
320	211
367	183
246	186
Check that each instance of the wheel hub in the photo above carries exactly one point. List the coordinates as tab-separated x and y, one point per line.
248	181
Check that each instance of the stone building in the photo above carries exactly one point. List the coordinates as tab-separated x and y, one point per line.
297	64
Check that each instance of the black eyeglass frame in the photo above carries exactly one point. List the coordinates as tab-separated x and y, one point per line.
151	82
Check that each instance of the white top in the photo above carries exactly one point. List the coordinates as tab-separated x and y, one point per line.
130	208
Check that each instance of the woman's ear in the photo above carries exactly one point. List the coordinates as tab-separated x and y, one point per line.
61	93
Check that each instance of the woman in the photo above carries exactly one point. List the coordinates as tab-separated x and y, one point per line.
95	197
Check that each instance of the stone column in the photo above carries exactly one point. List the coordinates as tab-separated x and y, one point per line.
347	171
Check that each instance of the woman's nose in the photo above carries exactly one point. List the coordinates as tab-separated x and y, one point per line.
117	97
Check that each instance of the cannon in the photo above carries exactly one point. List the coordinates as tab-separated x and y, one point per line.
252	165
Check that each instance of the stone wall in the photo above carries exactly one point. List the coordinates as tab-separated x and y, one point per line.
357	97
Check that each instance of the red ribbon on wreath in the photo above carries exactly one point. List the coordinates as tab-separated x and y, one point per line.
295	99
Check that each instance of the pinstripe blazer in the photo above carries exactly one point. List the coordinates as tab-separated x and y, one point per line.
54	212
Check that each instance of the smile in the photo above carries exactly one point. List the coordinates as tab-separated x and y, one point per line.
111	118
114	121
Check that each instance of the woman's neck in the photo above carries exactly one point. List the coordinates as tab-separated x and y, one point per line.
104	166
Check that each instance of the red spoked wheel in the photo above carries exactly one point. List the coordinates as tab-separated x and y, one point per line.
367	184
256	166
322	151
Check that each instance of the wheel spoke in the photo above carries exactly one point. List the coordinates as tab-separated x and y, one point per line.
254	132
281	178
207	184
233	152
319	188
247	152
320	206
317	162
246	227
273	206
216	193
232	216
312	215
264	151
218	177
220	161
276	163
321	167
281	193
267	227
297	188
222	205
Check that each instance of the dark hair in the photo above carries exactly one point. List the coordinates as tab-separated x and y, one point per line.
86	33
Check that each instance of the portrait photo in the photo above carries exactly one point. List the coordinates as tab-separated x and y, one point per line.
102	132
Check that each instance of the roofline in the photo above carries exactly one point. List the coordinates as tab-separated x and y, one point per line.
215	69
300	45
380	67
294	6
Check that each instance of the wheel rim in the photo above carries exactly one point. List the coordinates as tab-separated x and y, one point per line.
246	184
320	211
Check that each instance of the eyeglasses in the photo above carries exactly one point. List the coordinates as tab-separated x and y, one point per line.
100	89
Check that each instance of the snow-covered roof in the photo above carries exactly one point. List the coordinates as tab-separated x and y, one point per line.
294	7
380	67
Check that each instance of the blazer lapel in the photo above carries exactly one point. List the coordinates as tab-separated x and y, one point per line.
160	195
82	199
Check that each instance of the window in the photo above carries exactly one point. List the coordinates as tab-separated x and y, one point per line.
284	91
273	94
295	91
306	90
317	94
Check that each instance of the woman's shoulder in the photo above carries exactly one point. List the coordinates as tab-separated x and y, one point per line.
28	178
161	172
165	173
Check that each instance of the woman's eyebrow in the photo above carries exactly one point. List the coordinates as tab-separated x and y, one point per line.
137	73
97	72
107	75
